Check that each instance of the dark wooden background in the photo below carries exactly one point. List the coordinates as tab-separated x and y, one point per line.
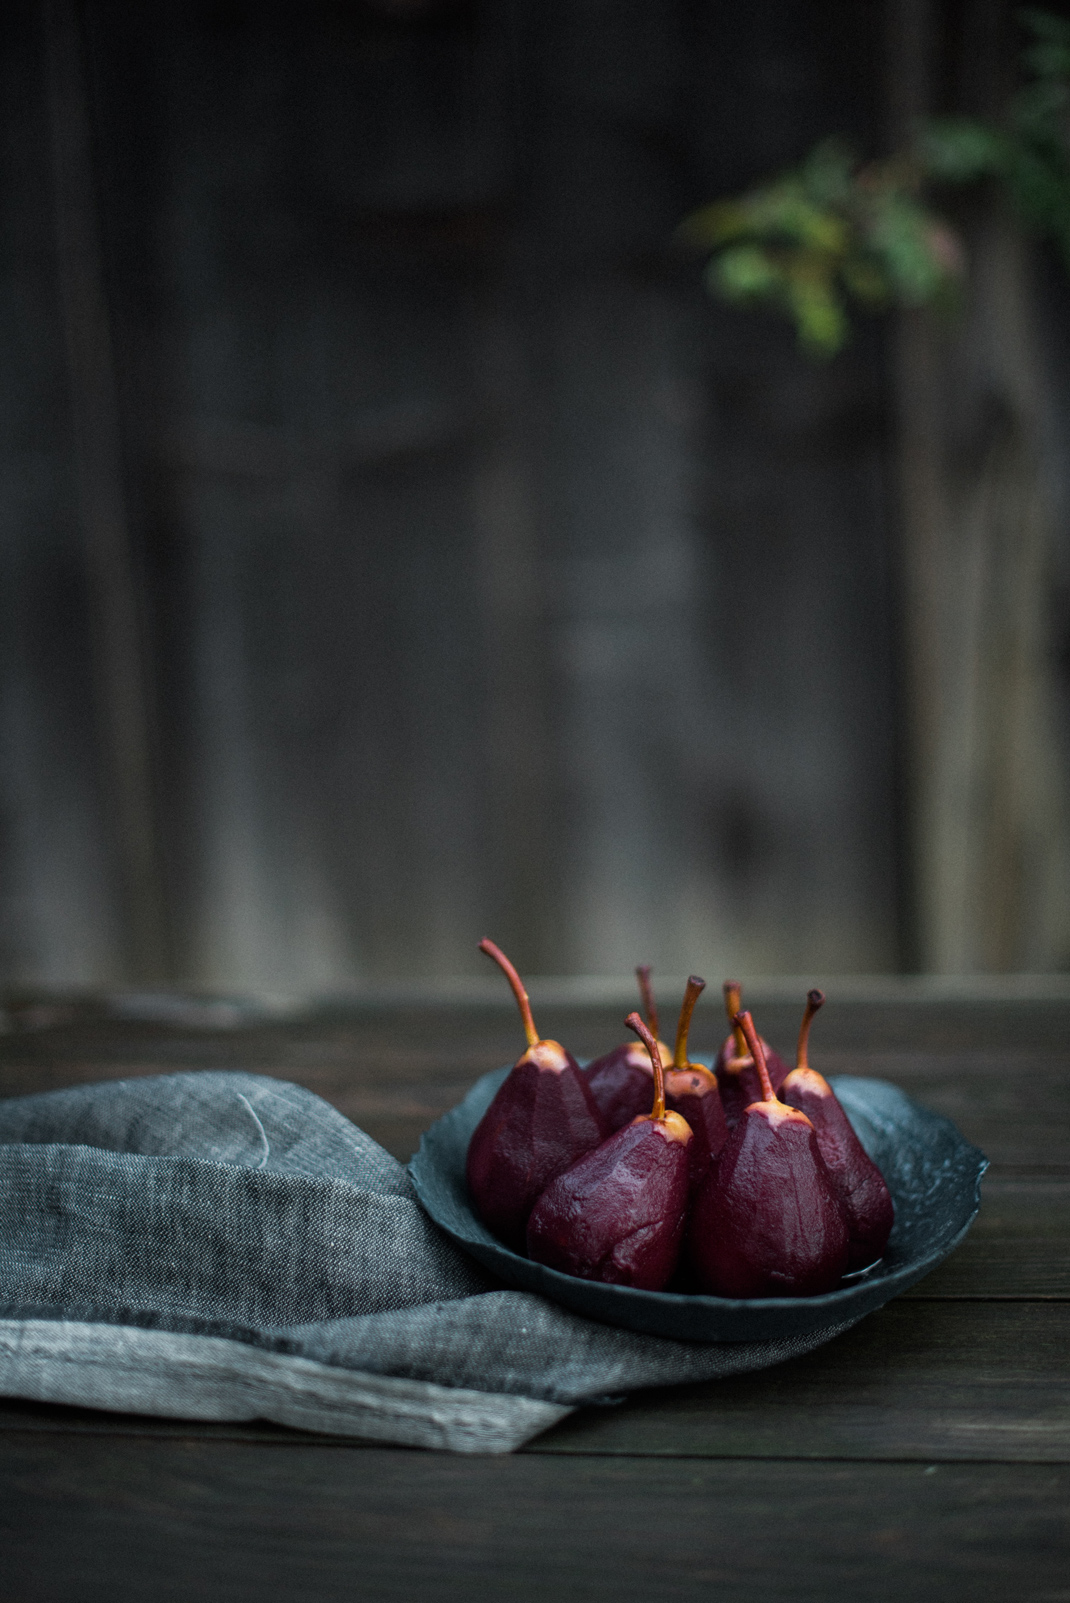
488	576
396	544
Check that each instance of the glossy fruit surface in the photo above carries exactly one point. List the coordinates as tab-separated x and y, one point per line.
622	1084
737	1074
693	1093
859	1185
622	1081
691	1090
766	1222
541	1120
617	1215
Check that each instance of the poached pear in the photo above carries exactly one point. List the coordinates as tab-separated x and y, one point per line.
691	1090
621	1081
858	1183
766	1221
541	1120
617	1215
737	1076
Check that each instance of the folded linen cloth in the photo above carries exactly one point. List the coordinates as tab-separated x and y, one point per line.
223	1246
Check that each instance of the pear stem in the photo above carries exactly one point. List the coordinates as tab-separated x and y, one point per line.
814	1001
646	991
733	1001
746	1024
519	992
695	988
634	1022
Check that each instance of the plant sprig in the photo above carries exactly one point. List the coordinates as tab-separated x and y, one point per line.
836	232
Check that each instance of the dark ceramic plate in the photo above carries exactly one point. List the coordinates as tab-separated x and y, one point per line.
932	1172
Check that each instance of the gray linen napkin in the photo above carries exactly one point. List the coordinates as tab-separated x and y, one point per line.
225	1246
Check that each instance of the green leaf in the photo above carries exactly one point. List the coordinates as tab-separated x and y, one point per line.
819	313
958	150
744	273
902	236
832	232
828	173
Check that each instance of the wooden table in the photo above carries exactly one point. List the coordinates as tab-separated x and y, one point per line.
923	1455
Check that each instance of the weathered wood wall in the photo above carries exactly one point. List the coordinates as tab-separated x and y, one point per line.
984	527
491	579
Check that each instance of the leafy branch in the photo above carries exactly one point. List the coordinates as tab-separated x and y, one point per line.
836	232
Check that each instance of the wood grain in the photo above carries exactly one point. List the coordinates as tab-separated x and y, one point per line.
171	1521
922	1455
117	607
939	1381
394	1070
944	1381
20	1417
1018	1246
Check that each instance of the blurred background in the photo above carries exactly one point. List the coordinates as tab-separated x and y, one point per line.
398	545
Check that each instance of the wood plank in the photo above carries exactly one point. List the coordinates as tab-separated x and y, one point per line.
20	1417
940	1381
121	1521
394	1071
1012	1104
1022	1133
118	620
1018	1246
396	1097
944	1381
48	1026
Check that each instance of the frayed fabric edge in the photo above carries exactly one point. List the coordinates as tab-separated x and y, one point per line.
127	1370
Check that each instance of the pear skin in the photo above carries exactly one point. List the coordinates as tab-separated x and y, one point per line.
691	1090
541	1120
693	1093
622	1082
618	1214
737	1074
858	1183
767	1222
